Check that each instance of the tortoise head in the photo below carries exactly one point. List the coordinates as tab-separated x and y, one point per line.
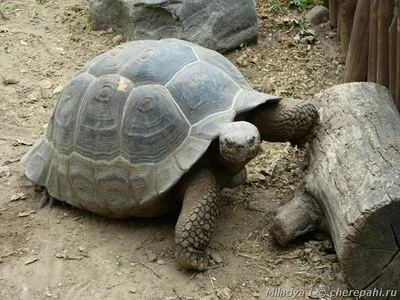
239	142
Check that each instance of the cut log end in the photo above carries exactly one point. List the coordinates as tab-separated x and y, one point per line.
370	255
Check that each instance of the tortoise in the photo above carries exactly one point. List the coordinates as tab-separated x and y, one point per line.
153	126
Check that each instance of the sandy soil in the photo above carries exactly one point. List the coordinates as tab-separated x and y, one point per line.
68	253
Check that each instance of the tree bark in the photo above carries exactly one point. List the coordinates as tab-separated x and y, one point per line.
347	9
393	54
373	41
357	57
333	13
385	15
354	177
398	59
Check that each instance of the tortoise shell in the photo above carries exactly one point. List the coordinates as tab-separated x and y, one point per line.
133	121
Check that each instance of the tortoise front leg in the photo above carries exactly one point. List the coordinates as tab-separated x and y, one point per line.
289	120
197	219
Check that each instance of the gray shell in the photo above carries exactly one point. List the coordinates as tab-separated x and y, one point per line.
133	121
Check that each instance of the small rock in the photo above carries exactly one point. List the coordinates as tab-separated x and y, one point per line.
117	39
5	171
18	196
49	295
31	260
81	249
32	97
331	257
23	43
45	84
151	256
307	250
332	34
161	262
315	258
216	257
24	71
10	81
318	15
26	214
224	293
58	89
132	290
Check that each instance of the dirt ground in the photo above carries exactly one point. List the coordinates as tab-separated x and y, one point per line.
68	253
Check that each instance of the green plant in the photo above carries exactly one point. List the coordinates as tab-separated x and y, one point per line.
305	35
300	4
277	6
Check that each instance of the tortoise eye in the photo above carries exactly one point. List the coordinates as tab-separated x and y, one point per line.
252	141
228	143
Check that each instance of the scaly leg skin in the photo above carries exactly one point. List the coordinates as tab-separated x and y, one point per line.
197	219
289	120
46	198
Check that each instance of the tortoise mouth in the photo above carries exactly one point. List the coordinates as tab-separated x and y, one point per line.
240	155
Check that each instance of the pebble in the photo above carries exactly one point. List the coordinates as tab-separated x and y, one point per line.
133	290
224	293
117	39
151	256
161	262
10	81
5	171
307	250
216	257
331	257
81	249
45	84
316	258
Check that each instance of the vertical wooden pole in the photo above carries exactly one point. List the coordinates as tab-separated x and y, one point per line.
373	41
398	60
347	9
385	15
393	52
333	13
357	57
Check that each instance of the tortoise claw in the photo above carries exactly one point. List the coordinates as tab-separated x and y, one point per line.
46	199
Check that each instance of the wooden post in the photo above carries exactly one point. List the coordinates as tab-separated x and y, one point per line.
393	53
347	9
385	15
398	60
333	13
357	56
373	41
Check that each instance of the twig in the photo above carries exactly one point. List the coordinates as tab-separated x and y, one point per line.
150	268
248	256
209	274
246	239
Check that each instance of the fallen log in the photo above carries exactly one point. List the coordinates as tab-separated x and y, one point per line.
353	181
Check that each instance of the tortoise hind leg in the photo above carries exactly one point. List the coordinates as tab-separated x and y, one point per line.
46	198
197	219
